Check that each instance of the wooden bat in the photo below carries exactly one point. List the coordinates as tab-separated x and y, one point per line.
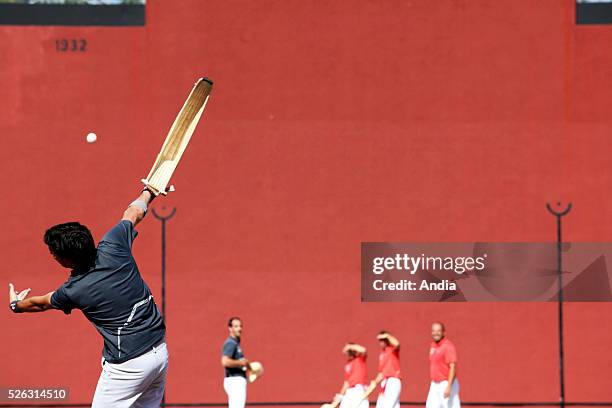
333	404
176	142
368	392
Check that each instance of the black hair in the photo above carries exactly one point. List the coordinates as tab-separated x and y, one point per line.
231	320
385	340
351	352
72	241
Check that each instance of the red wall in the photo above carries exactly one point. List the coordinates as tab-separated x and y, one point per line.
331	123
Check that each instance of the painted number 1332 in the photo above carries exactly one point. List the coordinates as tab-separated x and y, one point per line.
71	45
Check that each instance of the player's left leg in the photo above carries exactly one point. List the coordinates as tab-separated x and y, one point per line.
453	399
348	400
359	402
393	389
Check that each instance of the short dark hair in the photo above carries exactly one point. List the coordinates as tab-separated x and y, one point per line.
231	320
351	352
72	241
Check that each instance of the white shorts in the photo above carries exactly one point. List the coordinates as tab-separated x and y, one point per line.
435	398
235	388
137	383
352	398
390	398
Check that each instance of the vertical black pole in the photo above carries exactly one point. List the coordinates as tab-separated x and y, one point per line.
558	215
163	220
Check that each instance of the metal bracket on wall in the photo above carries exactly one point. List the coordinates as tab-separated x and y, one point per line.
559	214
164	219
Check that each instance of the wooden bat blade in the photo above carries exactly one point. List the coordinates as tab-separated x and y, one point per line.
368	392
333	404
178	137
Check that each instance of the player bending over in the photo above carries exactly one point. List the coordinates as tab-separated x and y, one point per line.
107	287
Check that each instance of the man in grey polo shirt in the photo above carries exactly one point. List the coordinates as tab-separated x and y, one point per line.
232	359
107	287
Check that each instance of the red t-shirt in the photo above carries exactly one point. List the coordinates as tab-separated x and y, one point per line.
388	362
441	354
355	371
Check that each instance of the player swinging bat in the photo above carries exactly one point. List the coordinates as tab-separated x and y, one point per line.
106	285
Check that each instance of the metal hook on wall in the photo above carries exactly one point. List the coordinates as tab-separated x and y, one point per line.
559	215
164	219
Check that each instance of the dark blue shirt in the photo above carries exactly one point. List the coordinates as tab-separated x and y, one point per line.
232	349
114	298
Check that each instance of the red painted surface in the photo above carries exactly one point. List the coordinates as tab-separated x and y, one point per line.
330	124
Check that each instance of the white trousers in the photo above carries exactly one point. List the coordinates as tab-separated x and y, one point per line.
390	398
235	388
435	398
352	398
137	383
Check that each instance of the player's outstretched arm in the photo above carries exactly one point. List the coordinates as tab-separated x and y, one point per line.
137	209
19	302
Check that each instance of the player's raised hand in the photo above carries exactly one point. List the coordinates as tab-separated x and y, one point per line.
17	296
382	336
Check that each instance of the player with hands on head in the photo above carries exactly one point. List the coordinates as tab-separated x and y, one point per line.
355	378
106	285
388	372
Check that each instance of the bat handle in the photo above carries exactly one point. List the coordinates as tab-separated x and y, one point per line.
156	191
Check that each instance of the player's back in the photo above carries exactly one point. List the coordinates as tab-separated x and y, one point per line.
115	298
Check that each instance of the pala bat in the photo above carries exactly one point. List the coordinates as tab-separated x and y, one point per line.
178	137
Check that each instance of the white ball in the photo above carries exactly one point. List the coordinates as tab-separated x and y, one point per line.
91	137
